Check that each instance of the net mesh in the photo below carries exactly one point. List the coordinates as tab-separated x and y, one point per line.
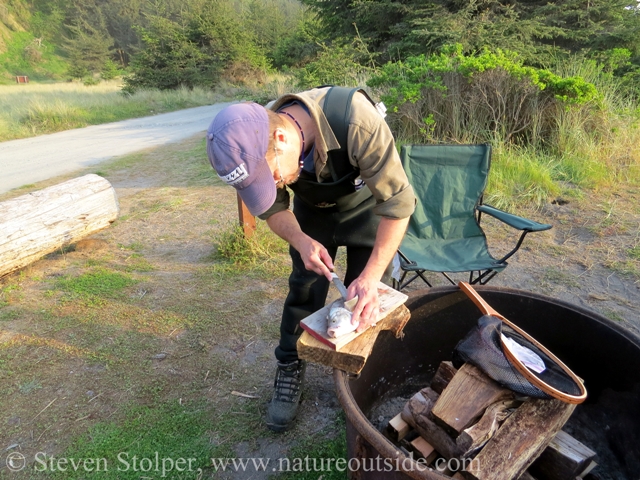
483	348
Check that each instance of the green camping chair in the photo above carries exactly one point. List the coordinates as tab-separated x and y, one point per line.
444	233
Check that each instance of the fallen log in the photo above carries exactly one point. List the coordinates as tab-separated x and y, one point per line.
41	222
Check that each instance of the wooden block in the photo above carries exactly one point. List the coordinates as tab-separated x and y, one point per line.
399	428
465	399
443	376
352	356
565	457
474	437
416	413
587	470
521	439
316	323
424	449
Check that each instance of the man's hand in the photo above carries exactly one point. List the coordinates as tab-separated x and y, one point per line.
315	257
366	311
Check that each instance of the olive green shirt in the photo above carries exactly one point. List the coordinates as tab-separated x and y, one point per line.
371	149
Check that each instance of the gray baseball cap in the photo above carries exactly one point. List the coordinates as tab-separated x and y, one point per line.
237	141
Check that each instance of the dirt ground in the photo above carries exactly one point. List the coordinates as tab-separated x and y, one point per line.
191	331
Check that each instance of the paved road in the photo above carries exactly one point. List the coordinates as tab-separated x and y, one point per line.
34	159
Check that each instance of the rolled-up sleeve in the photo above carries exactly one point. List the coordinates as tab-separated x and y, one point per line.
282	203
373	150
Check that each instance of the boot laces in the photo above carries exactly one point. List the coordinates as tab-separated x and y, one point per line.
288	381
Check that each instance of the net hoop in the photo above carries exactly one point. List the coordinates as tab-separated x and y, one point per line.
545	387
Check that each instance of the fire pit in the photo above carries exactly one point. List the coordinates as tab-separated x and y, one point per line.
605	355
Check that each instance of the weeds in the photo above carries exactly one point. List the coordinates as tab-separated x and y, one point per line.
263	252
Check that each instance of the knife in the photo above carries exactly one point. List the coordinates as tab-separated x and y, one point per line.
339	285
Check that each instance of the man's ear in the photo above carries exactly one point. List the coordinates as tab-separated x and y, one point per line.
280	135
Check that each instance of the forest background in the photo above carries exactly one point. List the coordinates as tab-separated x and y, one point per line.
553	86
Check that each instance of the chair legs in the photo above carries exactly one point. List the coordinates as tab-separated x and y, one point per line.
475	278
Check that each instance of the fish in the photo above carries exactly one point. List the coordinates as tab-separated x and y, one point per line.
339	320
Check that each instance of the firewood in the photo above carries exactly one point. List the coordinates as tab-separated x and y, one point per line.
521	439
443	376
424	449
565	457
416	413
587	471
398	427
474	437
465	399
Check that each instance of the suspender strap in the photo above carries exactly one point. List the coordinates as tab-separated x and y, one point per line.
337	109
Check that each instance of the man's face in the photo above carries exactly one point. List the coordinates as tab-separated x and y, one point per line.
284	165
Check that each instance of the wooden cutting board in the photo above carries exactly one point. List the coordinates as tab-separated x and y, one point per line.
350	352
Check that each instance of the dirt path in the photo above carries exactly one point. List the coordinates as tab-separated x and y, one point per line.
31	160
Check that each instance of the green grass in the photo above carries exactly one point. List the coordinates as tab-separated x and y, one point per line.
99	282
127	449
43	64
95	286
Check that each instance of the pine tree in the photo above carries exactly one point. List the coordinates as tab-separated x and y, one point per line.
88	41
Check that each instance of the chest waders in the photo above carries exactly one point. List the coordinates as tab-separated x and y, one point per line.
335	213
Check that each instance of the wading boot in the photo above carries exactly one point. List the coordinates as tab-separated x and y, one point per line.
282	410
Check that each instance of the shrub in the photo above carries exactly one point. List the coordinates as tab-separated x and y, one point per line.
343	63
489	97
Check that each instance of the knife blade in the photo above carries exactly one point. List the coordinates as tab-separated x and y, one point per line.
339	285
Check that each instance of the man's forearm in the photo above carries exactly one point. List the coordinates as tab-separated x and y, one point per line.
388	238
285	225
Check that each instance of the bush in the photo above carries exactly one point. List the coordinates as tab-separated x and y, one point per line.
343	63
110	70
489	97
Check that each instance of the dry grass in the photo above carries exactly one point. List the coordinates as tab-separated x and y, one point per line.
33	109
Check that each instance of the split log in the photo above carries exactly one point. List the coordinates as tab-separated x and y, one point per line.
465	399
443	376
474	437
416	413
521	439
565	457
41	222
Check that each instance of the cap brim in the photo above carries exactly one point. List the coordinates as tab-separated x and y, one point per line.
260	195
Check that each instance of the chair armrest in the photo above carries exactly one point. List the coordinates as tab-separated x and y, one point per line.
514	221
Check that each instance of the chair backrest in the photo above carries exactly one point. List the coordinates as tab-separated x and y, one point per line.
448	181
